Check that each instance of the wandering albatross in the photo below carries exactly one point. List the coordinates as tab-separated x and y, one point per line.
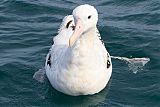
78	62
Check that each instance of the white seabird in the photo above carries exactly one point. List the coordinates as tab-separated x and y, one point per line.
78	62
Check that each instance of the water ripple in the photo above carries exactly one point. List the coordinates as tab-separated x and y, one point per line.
129	28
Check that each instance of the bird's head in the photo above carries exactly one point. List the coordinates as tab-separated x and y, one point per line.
85	17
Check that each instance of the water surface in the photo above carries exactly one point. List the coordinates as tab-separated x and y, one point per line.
130	28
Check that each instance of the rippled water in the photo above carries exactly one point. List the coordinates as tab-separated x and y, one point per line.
130	28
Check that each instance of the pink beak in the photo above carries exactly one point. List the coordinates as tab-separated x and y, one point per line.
77	32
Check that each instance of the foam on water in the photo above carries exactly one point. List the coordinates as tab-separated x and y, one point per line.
40	75
134	64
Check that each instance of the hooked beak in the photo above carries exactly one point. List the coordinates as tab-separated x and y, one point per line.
77	32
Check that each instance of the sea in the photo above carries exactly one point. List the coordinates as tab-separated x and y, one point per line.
129	28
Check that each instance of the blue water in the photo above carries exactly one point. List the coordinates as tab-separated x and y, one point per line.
130	28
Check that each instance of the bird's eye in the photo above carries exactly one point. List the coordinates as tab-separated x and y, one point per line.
89	17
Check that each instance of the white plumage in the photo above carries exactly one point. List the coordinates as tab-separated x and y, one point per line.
78	62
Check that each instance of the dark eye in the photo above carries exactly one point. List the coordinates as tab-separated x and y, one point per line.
89	17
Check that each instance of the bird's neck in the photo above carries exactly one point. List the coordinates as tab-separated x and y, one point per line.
85	49
87	38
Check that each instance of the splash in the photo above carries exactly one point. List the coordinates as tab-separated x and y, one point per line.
134	64
40	75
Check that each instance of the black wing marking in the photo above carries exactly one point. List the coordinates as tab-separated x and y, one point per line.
68	24
108	63
49	60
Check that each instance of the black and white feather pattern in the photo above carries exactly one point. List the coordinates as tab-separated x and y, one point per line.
98	34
